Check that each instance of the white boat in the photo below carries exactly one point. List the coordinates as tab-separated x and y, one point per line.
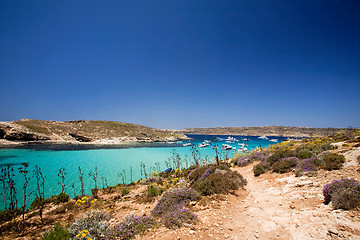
263	137
231	139
245	139
242	144
186	144
273	140
203	144
226	147
243	149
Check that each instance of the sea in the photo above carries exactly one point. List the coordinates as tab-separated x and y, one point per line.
113	163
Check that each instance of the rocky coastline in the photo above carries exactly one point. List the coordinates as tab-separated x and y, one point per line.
38	132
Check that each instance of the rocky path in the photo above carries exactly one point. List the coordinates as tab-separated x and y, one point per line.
273	206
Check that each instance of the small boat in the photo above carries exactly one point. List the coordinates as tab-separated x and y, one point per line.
273	140
203	144
186	144
243	149
231	139
245	139
242	144
226	147
263	137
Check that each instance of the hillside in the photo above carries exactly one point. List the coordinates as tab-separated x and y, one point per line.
284	131
81	131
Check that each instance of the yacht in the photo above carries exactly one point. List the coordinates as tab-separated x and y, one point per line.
273	140
203	144
243	149
187	144
226	147
263	137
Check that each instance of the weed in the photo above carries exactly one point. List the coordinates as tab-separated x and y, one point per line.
343	193
130	227
333	161
124	191
153	191
176	218
285	165
62	198
170	207
93	225
260	169
58	233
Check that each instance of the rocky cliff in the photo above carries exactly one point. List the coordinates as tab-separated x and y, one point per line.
29	130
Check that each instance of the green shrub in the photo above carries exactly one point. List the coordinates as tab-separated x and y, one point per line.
345	145
170	207
215	179
343	193
196	173
37	202
259	169
124	191
220	183
285	165
59	233
62	198
94	191
9	214
279	154
153	191
333	161
303	154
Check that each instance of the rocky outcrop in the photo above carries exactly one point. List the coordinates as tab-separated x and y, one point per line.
17	133
82	131
80	138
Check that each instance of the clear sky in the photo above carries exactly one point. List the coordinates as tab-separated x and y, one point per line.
178	64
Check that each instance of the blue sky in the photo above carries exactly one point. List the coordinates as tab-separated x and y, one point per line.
177	64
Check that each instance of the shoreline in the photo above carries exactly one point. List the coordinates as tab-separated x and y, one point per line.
104	143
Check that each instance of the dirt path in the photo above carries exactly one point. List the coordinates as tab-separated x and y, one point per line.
273	206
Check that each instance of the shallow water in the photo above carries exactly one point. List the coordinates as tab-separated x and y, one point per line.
110	161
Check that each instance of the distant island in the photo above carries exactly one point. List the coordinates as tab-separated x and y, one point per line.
30	131
279	131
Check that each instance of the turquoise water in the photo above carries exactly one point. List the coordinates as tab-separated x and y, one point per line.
109	162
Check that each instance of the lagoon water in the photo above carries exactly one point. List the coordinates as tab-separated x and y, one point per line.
109	160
